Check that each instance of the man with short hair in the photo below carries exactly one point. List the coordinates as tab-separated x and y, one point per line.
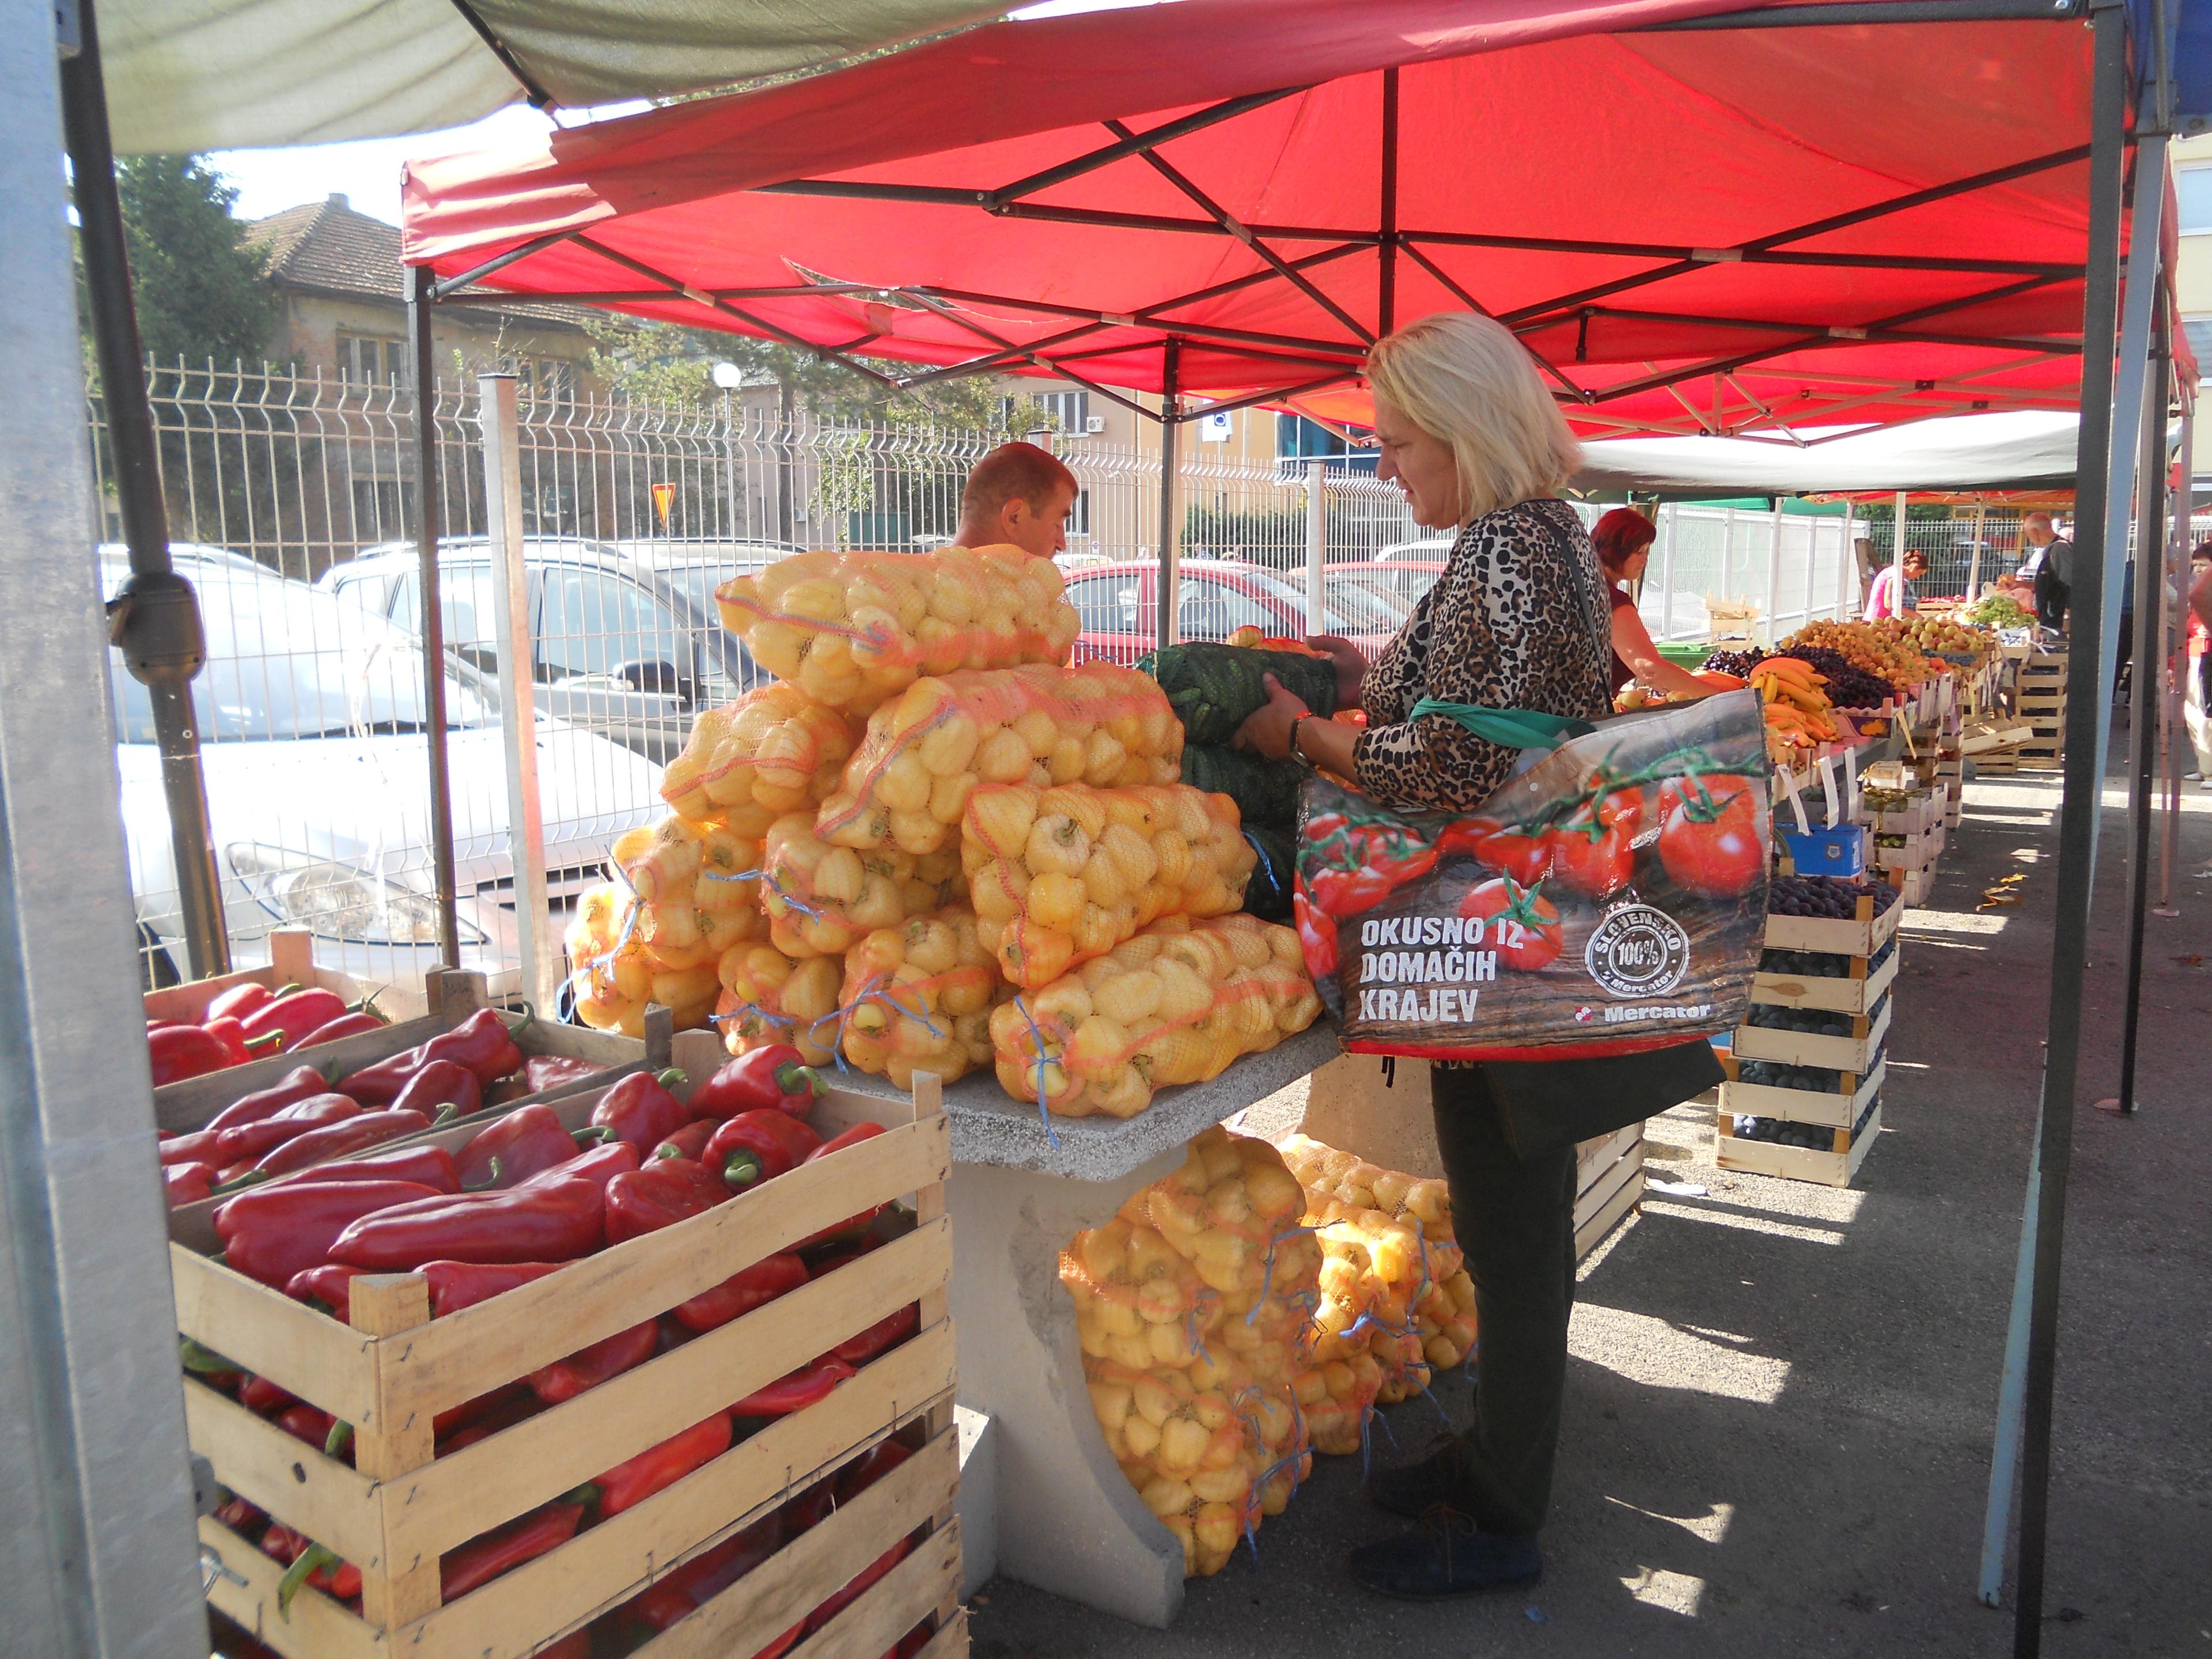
1017	494
2049	566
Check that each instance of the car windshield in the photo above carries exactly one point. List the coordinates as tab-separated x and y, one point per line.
1347	610
284	660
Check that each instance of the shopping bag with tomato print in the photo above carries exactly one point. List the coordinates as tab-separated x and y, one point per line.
1610	898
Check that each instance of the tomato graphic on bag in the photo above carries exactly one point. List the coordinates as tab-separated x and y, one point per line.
1517	922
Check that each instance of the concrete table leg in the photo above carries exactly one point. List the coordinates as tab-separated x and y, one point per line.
1068	1521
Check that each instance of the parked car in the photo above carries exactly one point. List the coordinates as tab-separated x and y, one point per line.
627	640
1117	604
310	713
1423	547
1401	582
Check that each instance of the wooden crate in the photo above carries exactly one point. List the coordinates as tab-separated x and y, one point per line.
1862	937
1836	1108
1840	995
1838	1167
291	962
1984	736
1913	817
1921	849
396	1512
1609	1183
451	998
1852	1055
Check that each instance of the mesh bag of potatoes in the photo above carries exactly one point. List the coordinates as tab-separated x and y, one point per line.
774	751
822	899
908	784
614	973
918	998
1059	876
767	997
1178	1003
1189	1329
697	887
851	629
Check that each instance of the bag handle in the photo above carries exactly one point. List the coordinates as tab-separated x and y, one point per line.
1508	728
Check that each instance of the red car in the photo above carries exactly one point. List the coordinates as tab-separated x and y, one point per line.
1401	582
1119	605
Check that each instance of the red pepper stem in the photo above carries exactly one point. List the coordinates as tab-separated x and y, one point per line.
587	1493
312	1560
742	1169
787	1077
447	1114
490	1180
251	1178
529	1019
199	1357
340	1436
671	1077
272	1040
594	1135
285	990
666	1151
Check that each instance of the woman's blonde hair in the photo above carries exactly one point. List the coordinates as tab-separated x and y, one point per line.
1465	381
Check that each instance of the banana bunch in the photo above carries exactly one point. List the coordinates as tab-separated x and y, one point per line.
1798	711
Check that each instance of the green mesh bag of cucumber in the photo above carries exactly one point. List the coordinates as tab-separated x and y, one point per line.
1213	689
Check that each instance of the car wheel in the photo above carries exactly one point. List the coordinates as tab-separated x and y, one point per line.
157	970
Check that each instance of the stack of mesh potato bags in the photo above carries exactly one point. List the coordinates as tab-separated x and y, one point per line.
1252	1309
927	847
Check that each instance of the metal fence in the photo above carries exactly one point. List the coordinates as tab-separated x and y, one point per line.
288	501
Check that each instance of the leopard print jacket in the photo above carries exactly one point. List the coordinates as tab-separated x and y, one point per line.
1518	620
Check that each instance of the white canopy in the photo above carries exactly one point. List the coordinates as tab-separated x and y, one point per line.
2013	450
199	75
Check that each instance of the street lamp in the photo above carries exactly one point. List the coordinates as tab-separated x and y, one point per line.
728	376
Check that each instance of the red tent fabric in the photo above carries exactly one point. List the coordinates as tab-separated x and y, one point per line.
1694	228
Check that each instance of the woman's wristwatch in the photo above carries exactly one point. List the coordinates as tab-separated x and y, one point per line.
1295	753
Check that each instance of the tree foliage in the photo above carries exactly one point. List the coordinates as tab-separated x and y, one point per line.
197	275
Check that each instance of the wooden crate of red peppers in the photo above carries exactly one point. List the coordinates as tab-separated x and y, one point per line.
307	1104
662	1367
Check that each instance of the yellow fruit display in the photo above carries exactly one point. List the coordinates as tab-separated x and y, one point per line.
852	629
918	998
822	899
697	887
767	997
1869	645
614	973
1176	1003
927	751
1931	634
772	751
1061	876
1190	1306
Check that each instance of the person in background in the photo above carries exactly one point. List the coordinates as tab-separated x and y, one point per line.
2049	566
2197	659
1019	496
1895	592
1623	539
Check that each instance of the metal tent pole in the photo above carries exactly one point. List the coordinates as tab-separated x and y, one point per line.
97	1551
2150	668
422	361
1317	547
2172	732
1897	558
1974	559
2079	804
155	621
1170	528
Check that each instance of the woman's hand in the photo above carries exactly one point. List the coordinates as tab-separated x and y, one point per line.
1267	729
1351	667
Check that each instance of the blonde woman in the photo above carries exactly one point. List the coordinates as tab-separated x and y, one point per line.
1518	620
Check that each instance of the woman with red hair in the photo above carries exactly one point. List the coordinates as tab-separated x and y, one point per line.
1623	539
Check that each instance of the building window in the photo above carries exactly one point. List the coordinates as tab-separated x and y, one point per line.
2193	187
372	359
1079	516
1070	411
2199	330
1297	438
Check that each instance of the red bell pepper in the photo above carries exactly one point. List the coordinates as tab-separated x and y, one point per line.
433	1166
773	1078
858	1585
759	1146
345	1025
240	1516
248	1142
262	1397
238	1045
741	1292
543	1072
556	1222
870	1467
310	1564
601	1164
486	1415
564	1379
811	1507
852	1224
181	1051
480	1560
296	1015
273	1232
795	1392
308	1423
881	1337
457	1284
441	1084
706	1576
197	1148
689	1141
630	1483
481	1042
357	1133
647	1200
296	1086
239	1001
641	1110
527	1141
211	1368
332	1284
187	1183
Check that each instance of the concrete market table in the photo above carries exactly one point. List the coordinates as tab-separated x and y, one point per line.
1066	1519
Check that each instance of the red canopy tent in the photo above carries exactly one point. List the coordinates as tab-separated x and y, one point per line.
1693	229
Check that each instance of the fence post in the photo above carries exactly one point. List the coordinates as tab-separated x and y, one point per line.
1847	570
1669	527
1728	552
1974	561
510	609
1316	545
1170	529
421	357
1774	580
1812	559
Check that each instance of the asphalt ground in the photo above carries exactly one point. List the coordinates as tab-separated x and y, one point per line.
1780	1400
